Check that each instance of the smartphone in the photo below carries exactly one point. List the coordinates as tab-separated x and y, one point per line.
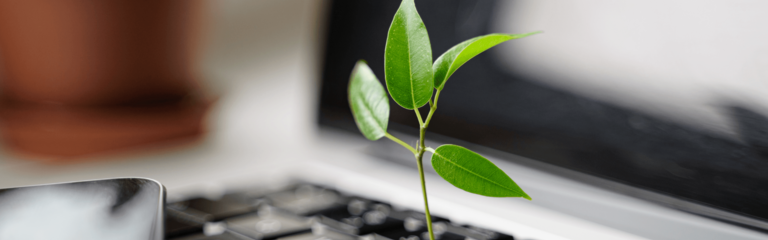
119	209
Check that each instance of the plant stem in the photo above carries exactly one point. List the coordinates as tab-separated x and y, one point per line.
432	108
397	140
420	154
418	116
426	203
419	157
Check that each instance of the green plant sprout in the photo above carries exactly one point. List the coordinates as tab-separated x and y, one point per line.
411	79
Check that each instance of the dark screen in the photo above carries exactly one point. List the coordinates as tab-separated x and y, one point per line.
483	104
102	209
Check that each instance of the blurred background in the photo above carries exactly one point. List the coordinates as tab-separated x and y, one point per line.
661	100
94	89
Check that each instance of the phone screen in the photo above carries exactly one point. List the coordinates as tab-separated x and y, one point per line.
124	209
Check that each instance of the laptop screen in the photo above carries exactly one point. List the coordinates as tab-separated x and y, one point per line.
668	100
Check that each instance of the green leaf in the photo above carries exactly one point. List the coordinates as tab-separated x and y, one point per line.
473	173
452	59
368	101
408	59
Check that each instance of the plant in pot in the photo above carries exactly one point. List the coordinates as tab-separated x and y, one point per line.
86	78
414	81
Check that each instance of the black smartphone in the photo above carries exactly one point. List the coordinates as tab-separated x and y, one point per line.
120	209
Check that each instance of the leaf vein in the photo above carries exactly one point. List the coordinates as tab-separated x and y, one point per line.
410	65
370	112
473	173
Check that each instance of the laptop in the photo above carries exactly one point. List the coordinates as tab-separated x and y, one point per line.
596	169
576	106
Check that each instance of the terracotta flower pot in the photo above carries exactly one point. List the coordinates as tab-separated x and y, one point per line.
81	77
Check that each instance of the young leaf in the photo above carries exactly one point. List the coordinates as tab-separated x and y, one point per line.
368	101
473	173
452	59
408	58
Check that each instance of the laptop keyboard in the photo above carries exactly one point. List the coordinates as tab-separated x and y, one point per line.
306	212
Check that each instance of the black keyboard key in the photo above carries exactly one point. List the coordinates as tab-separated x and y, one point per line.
338	213
356	206
490	234
360	217
223	236
336	225
412	226
320	232
268	223
401	234
448	231
376	221
410	237
229	205
305	199
374	236
445	236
